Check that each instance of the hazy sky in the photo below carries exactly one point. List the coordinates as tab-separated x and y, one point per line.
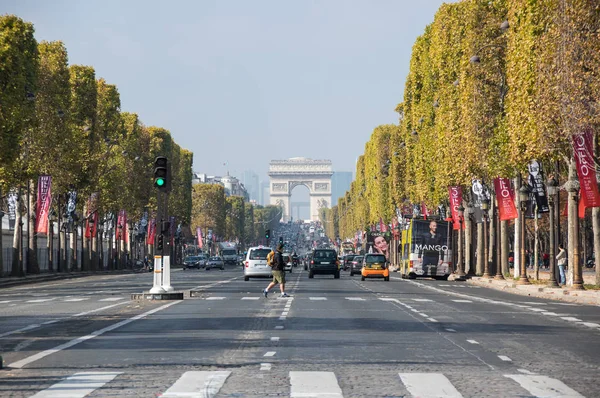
246	81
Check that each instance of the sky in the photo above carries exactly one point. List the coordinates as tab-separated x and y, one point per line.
241	82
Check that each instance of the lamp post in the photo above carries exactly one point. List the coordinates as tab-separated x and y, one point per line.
523	197
552	185
572	187
460	272
485	203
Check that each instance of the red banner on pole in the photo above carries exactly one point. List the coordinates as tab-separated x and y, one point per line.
121	225
199	237
583	149
151	232
455	202
44	198
506	199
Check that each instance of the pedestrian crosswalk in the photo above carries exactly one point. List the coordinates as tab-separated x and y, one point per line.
306	384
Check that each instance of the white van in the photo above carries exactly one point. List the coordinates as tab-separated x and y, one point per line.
255	263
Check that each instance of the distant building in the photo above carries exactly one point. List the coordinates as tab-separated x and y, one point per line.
264	195
232	186
250	181
340	183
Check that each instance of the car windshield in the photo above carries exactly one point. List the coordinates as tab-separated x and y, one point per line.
191	259
259	254
377	258
325	255
358	258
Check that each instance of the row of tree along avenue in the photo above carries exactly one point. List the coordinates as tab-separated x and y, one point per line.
74	165
497	133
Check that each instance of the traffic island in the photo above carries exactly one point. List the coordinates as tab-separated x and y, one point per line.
157	296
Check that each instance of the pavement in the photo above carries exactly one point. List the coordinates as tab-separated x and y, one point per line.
540	288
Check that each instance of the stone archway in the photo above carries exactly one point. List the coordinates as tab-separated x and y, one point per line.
316	175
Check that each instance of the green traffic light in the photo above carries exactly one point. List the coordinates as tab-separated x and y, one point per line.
160	182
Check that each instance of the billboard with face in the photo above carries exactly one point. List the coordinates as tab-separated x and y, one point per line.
378	242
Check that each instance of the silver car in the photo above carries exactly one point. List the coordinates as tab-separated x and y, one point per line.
215	262
255	264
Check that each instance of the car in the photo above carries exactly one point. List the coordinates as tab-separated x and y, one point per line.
375	266
255	264
347	260
193	262
324	262
356	265
289	265
215	262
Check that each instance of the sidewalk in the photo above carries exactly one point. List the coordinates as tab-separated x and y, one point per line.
541	290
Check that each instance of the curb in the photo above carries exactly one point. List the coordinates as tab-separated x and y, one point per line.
28	280
588	297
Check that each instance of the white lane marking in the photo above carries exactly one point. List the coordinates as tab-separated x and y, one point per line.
5	301
284	313
355	298
533	302
99	309
413	309
250	298
77	386
40	300
314	384
197	384
23	329
462	301
549	313
50	322
282	318
419	299
423	315
77	299
537	309
527	372
429	385
279	327
591	324
472	341
269	354
274	338
113	299
318	298
544	386
216	298
504	358
451	330
25	361
432	320
570	319
265	366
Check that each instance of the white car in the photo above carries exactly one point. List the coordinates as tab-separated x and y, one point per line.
287	258
255	264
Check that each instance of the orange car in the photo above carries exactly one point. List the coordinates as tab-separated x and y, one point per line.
375	266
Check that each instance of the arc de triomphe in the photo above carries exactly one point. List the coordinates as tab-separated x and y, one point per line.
285	175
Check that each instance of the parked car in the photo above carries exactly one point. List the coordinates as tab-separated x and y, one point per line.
356	265
215	262
193	262
324	261
255	264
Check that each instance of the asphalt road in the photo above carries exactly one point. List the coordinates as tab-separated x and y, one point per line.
332	338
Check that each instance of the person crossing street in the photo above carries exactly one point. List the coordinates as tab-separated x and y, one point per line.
278	273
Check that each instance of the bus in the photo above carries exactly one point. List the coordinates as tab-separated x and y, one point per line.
346	248
425	250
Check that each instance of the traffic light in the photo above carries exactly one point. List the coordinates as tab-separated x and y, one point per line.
159	243
267	234
161	173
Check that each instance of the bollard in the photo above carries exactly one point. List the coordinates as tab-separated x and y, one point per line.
157	286
166	275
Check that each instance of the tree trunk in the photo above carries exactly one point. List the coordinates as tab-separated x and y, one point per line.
17	265
468	239
517	243
74	266
480	251
574	275
596	228
504	249
536	247
50	246
32	261
85	242
492	239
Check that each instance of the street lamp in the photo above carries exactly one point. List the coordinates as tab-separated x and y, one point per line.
460	266
523	197
552	186
485	203
469	218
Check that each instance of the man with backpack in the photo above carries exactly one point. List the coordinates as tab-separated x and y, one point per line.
277	264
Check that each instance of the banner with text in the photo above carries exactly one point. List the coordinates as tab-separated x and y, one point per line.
583	149
506	199
455	202
44	198
536	183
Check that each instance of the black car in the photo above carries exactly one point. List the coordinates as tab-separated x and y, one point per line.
356	265
324	261
192	262
347	259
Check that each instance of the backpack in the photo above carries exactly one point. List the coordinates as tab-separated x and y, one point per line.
271	259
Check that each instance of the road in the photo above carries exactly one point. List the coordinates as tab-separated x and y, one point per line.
332	338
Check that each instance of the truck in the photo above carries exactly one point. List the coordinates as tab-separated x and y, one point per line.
425	249
228	252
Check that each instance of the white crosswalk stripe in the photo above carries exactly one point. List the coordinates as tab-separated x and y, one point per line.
78	385
307	384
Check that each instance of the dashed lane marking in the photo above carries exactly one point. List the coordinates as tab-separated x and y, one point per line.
504	358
